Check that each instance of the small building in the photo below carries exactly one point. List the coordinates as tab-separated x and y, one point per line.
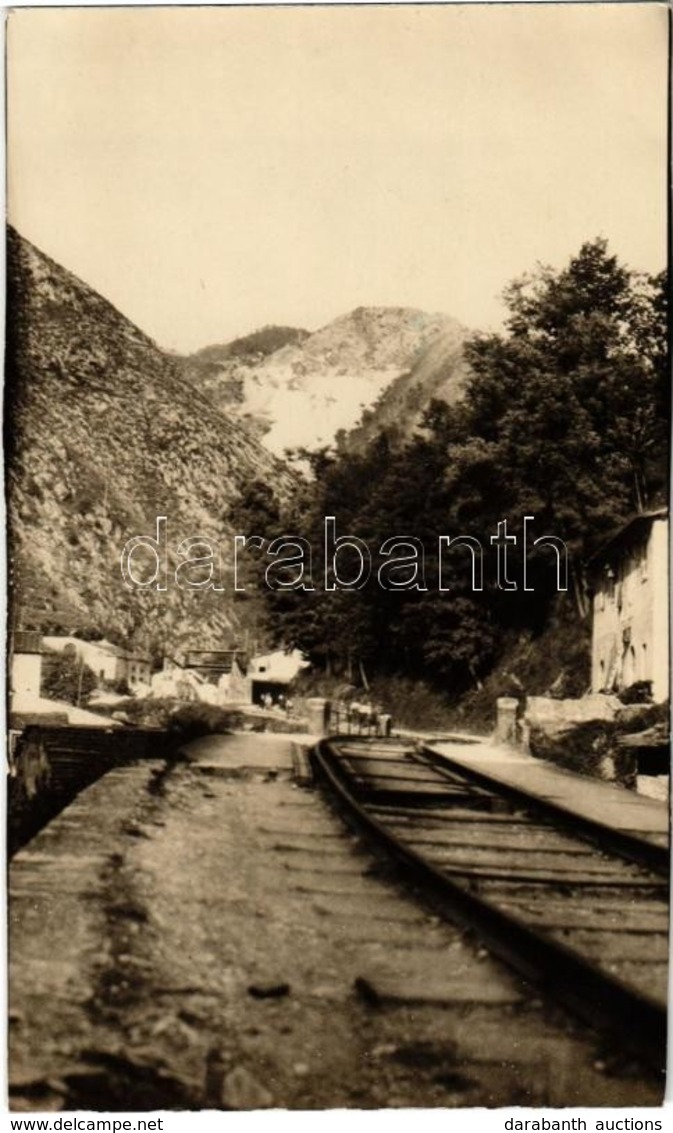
272	673
214	663
212	675
26	670
109	663
630	626
136	667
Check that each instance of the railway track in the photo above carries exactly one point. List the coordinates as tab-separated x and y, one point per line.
583	916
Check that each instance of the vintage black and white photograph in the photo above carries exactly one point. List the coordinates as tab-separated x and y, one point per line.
336	430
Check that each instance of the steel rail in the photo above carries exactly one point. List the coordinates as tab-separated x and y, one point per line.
601	999
622	842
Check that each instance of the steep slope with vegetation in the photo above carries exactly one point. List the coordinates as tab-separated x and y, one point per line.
224	371
440	373
102	436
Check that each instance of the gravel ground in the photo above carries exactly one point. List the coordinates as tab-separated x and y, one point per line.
209	935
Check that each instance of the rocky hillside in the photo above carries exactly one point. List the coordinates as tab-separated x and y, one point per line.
438	373
221	371
315	386
102	436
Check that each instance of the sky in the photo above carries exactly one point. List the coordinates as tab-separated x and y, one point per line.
211	171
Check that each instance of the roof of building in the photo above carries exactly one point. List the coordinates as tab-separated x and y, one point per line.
278	667
58	641
27	641
211	661
130	655
626	534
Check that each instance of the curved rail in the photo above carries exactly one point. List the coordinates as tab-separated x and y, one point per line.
621	842
552	922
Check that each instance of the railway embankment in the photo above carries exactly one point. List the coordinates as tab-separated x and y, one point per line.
49	764
212	935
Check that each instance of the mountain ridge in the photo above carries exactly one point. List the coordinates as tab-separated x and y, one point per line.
312	390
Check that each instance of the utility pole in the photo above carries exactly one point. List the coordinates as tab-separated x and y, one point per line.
79	678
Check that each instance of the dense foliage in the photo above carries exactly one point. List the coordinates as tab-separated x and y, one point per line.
564	419
66	677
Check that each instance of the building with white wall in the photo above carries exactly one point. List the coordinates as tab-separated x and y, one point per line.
109	663
630	629
26	664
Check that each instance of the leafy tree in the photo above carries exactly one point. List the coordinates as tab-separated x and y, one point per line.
66	677
573	396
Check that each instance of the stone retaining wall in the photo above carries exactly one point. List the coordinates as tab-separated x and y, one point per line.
50	765
582	734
